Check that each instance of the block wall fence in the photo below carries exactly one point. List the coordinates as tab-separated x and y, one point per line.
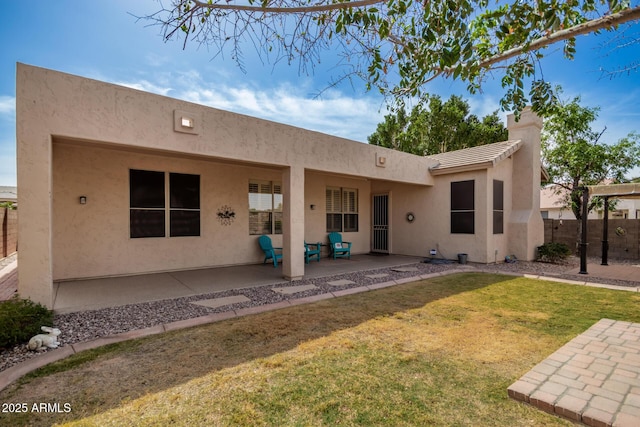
8	231
624	236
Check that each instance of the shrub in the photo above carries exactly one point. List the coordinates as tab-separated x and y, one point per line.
20	319
553	252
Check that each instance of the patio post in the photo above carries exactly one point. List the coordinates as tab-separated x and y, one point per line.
583	239
605	233
293	223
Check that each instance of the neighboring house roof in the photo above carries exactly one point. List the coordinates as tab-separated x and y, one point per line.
8	194
551	199
623	191
474	158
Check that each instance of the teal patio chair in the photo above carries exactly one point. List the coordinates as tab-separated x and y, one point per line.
311	251
269	251
337	247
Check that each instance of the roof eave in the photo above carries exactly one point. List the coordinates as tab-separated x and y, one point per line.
462	168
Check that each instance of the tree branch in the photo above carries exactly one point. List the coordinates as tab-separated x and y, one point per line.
299	9
608	21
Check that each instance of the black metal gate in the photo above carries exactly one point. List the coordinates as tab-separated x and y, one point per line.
380	240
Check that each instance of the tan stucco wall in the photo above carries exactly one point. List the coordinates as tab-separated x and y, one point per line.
92	240
315	220
440	236
526	228
498	244
432	209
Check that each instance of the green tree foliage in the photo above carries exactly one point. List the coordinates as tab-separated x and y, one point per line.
575	156
443	126
398	46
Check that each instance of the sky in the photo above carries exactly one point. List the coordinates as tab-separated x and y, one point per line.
105	41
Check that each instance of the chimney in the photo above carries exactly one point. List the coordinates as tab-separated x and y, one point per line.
526	228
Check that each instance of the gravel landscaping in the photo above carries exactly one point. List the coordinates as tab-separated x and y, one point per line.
89	325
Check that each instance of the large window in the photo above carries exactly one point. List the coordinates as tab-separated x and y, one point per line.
462	207
265	207
148	201
498	207
342	209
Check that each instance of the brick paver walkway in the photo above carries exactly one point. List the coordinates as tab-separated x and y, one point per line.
593	379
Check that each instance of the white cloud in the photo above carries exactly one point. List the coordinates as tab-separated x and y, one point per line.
8	105
335	113
155	60
146	86
484	105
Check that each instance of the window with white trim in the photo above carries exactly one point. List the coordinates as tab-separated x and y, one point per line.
148	201
265	207
342	209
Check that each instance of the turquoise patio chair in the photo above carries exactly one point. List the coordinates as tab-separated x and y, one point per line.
338	248
269	251
311	251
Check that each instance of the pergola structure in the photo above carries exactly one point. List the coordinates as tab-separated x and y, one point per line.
628	191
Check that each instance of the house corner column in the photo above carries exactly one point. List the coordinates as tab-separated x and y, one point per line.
293	227
526	228
34	167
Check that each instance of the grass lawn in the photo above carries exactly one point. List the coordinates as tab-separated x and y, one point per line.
435	352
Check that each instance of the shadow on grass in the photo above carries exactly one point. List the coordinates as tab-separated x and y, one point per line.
101	379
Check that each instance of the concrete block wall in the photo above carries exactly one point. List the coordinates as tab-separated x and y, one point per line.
624	236
8	231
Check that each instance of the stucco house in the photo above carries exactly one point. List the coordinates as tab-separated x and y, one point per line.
552	207
114	181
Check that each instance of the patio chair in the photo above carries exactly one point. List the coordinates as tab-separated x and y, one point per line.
311	250
269	251
338	248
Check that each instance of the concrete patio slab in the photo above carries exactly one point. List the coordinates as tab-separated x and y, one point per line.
91	294
205	280
629	272
221	302
594	379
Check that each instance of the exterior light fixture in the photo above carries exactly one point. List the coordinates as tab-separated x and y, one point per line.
186	122
83	200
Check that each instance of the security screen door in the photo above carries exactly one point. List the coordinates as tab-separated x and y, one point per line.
380	241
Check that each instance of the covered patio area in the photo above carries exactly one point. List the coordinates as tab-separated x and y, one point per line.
92	294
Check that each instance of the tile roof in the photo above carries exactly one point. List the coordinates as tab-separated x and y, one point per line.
480	157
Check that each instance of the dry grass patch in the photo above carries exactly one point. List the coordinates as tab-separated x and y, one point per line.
435	352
